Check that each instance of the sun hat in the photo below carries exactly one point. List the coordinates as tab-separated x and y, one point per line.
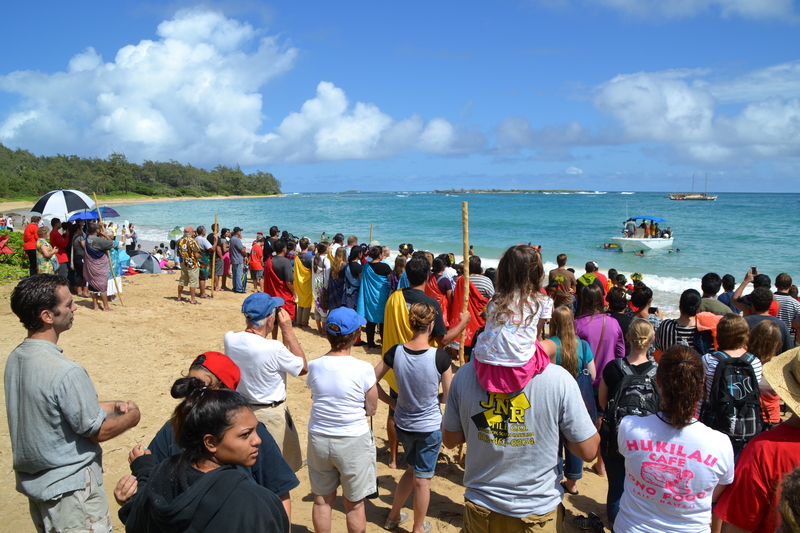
258	306
221	366
783	375
346	320
374	243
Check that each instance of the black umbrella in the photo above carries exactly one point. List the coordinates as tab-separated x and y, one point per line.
145	260
62	202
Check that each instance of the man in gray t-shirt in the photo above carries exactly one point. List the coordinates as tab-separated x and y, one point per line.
513	444
54	419
237	251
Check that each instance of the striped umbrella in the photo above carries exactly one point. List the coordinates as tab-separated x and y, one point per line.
61	202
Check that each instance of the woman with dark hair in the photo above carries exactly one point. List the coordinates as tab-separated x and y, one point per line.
223	262
76	238
341	450
201	489
270	470
675	466
605	338
444	283
679	330
373	293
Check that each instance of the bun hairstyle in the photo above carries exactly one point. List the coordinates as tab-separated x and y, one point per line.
421	315
641	333
690	302
681	382
203	411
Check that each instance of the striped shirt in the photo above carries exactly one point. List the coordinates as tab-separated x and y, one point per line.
483	284
670	333
789	310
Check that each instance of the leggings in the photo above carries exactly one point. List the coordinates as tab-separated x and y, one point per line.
32	265
371	332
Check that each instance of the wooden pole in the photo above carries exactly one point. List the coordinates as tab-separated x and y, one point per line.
108	252
371	224
214	254
465	303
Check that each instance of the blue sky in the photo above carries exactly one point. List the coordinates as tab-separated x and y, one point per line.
579	94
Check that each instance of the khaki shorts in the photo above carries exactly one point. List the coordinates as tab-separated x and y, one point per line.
80	510
190	277
345	461
281	426
479	519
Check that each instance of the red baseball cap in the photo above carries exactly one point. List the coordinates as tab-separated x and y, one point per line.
221	366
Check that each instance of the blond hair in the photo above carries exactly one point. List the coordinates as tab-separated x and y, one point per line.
562	325
420	316
641	333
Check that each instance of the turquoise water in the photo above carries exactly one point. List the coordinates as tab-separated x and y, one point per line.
726	236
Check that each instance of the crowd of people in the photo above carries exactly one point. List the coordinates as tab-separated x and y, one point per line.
680	415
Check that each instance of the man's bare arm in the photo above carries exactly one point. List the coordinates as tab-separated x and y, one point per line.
121	417
586	450
285	325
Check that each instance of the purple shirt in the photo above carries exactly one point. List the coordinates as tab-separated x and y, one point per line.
589	328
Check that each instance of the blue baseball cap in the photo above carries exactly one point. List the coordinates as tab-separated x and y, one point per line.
258	306
346	319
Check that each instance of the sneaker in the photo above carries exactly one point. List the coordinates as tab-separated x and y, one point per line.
392	524
592	522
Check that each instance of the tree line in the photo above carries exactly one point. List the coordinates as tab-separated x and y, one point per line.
23	174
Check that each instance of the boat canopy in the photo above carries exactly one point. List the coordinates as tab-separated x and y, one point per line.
654	219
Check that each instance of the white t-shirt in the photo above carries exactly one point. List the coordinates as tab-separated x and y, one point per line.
334	247
670	475
512	344
264	364
339	385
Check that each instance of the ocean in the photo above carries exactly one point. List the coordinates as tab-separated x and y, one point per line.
727	236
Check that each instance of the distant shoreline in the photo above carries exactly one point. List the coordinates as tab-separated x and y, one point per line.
25	206
511	191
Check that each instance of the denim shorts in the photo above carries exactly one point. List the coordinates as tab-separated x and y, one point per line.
422	450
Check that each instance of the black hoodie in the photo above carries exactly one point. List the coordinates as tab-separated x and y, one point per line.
173	497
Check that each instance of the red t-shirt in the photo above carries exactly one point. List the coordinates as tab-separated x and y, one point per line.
751	502
256	257
56	239
29	236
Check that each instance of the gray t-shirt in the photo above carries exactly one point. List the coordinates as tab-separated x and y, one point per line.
513	438
283	268
236	251
52	411
99	244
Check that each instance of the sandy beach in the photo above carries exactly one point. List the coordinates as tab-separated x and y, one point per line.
136	352
24	206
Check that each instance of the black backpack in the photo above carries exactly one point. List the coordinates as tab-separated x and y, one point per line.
733	406
637	395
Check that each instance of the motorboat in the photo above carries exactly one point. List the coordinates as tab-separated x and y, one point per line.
639	240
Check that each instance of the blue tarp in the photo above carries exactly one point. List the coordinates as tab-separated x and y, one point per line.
654	219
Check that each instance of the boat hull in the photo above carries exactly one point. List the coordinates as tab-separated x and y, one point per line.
635	245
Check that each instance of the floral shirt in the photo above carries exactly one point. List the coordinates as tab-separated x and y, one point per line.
189	250
43	264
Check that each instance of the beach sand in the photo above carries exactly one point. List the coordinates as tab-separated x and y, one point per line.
136	352
24	207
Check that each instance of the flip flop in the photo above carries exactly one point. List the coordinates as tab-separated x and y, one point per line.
566	491
195	303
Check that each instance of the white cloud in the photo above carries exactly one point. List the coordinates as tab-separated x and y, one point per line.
575	171
751	9
677	114
193	95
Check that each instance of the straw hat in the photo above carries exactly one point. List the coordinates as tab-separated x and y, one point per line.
783	374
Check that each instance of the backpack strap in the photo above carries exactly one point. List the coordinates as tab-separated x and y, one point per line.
652	372
748	358
625	366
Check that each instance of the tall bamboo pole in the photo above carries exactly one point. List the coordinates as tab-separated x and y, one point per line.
370	230
108	252
214	254
465	303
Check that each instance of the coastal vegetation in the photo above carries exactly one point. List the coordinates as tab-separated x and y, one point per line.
25	176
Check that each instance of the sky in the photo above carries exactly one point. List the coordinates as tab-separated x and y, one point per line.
613	95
